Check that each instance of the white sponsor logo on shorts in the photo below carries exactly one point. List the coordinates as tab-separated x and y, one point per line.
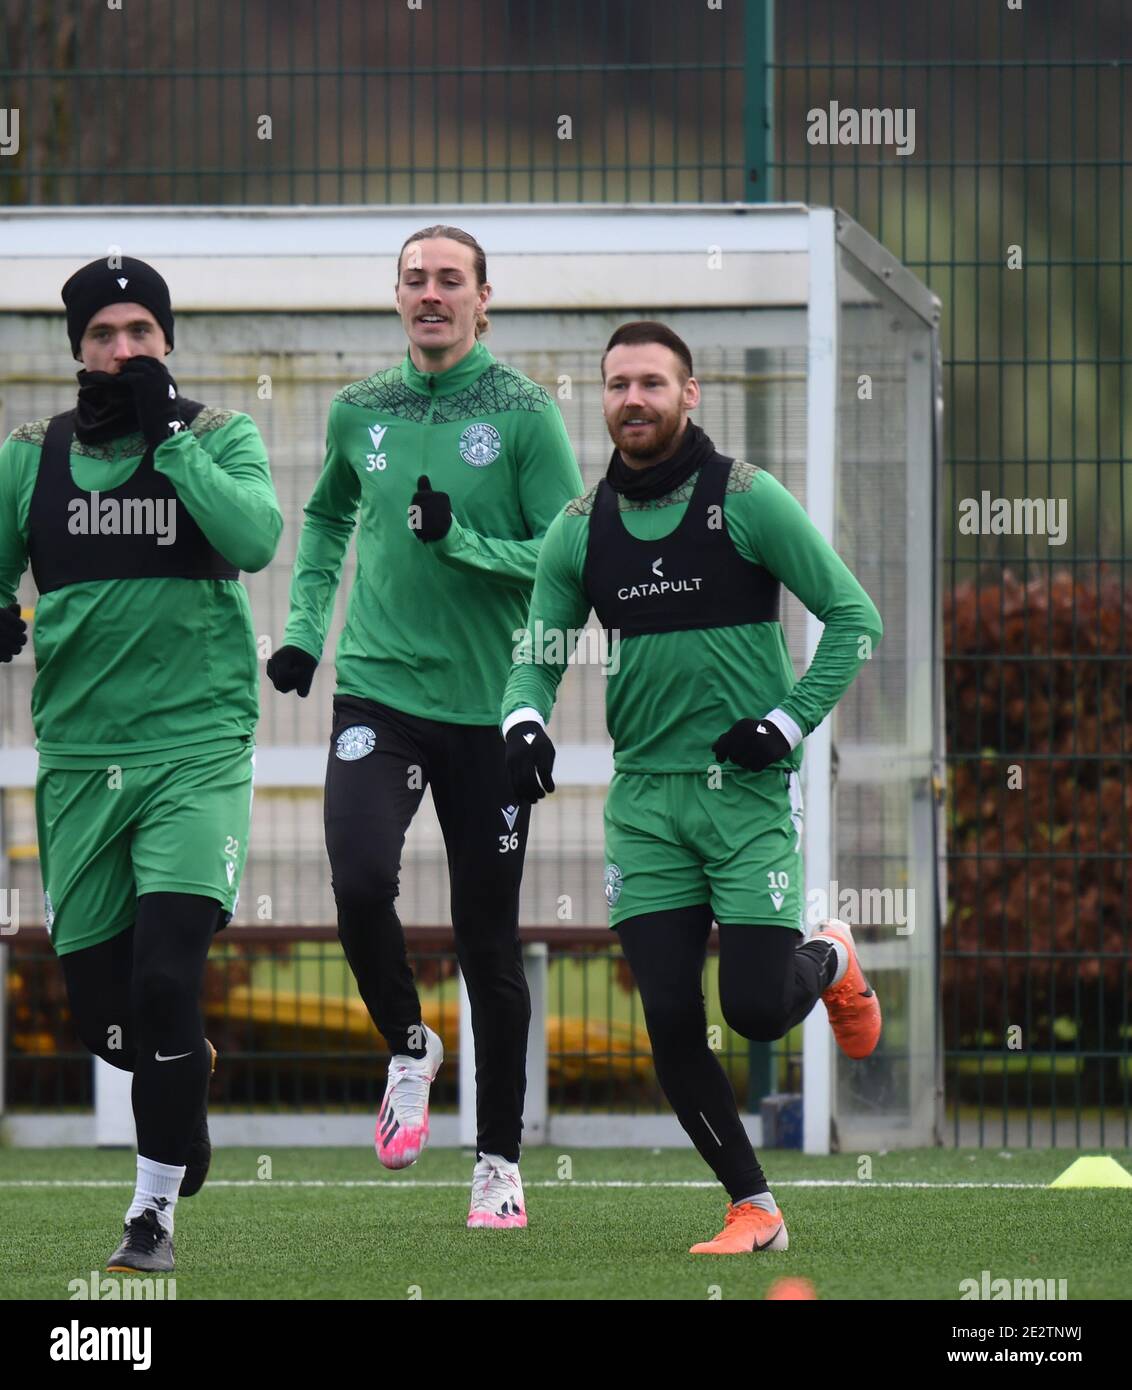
354	743
510	815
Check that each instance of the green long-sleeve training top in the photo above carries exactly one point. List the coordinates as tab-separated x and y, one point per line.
429	624
674	693
137	672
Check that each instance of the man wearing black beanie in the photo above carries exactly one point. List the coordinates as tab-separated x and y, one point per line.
118	280
136	510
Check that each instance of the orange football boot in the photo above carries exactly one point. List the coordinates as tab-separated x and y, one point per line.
853	1009
746	1230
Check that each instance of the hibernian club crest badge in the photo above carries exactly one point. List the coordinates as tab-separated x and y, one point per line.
354	743
612	883
480	445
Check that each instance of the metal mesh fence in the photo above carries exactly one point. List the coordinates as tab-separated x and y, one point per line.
1007	197
282	1009
1012	206
350	102
268	998
763	411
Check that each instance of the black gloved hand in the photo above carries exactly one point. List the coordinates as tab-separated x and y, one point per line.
13	631
435	514
291	668
155	398
530	760
753	744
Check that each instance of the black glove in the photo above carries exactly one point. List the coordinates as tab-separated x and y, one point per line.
530	760
435	512
291	668
753	744
155	398
13	631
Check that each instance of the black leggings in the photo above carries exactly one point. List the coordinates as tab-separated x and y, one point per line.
769	980
371	797
135	1000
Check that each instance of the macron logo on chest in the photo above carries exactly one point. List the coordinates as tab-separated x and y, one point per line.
377	461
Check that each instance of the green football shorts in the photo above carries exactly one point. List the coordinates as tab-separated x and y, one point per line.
106	838
672	840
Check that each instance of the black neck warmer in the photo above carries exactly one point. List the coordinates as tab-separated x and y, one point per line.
105	409
643	484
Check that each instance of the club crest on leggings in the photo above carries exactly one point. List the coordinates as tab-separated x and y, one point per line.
354	743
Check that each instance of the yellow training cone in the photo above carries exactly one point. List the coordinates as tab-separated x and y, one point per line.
1094	1172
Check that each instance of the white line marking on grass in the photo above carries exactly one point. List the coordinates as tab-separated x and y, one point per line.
393	1184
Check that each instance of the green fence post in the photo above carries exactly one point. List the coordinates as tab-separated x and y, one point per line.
758	98
758	134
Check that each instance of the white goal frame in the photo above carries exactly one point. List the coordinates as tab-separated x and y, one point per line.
545	258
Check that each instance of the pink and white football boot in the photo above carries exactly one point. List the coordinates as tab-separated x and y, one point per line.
497	1195
402	1121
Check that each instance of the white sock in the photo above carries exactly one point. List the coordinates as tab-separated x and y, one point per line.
842	960
764	1200
158	1185
500	1161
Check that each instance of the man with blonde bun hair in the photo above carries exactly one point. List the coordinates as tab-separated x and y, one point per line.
452	466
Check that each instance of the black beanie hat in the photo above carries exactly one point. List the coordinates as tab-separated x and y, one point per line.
99	284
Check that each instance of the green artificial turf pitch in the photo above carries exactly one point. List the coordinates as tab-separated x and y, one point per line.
331	1223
